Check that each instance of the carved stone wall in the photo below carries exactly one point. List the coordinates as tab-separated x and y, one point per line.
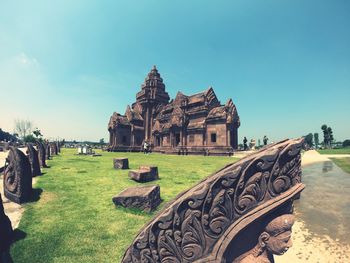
17	177
199	224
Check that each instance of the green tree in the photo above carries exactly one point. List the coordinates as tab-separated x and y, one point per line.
29	138
330	136
316	139
346	143
309	139
37	133
325	135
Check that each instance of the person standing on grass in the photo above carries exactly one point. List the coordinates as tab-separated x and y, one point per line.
265	140
145	147
245	143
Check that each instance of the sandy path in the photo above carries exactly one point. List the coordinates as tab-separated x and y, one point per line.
313	247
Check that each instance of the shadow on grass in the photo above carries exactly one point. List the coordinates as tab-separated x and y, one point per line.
5	256
36	192
18	235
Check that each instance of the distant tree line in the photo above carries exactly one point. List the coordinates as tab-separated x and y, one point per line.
6	136
328	138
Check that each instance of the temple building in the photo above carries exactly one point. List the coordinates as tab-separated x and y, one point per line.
195	124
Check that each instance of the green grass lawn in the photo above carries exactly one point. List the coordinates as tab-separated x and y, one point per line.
345	150
75	220
343	163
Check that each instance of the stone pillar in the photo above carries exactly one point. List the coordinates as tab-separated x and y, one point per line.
235	138
146	124
181	138
228	138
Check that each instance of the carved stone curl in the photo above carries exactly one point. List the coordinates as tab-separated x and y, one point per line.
199	225
17	177
33	160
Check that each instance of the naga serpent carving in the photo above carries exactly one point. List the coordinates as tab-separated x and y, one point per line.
47	150
41	154
17	177
199	225
33	160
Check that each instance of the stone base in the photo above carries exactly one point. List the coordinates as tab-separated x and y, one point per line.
144	174
180	150
6	232
145	198
121	163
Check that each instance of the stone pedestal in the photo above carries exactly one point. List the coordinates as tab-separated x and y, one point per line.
144	174
121	163
145	198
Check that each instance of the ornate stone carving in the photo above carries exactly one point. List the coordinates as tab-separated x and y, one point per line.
53	148
33	160
199	225
47	151
17	177
41	154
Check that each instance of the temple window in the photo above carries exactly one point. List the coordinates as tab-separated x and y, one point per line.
213	137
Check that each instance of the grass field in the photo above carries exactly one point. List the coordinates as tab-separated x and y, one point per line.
343	163
74	218
345	150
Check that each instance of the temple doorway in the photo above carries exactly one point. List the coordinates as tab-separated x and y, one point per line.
177	139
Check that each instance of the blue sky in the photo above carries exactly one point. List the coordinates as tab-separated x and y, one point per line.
67	65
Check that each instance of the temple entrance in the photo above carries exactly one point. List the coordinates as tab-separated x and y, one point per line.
177	139
157	141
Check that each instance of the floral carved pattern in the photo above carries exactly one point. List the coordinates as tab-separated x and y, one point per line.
17	176
188	228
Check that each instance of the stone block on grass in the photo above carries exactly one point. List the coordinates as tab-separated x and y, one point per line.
144	174
145	198
121	163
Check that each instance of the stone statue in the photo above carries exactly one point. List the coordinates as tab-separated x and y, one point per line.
275	239
17	177
41	154
33	160
47	151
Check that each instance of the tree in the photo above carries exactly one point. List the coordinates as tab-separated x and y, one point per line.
37	133
330	136
102	141
309	139
29	138
316	139
23	127
346	143
327	136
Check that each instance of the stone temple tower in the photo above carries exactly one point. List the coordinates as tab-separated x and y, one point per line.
151	96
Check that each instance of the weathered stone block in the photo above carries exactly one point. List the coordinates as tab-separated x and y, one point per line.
144	174
121	163
145	198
